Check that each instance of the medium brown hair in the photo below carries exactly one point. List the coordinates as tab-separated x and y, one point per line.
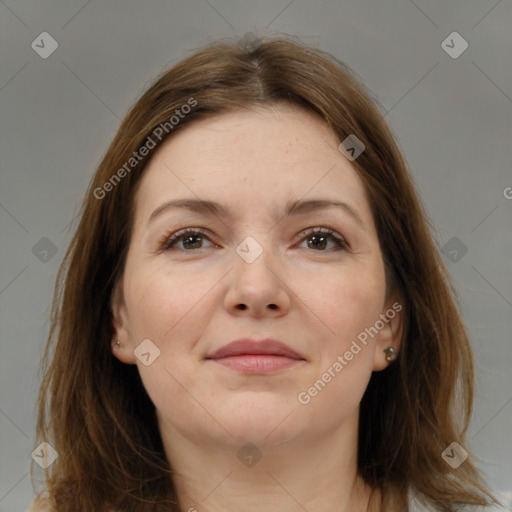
94	409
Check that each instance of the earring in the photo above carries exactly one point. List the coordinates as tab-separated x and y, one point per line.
390	353
118	343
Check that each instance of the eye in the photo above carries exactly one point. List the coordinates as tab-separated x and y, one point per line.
191	238
320	237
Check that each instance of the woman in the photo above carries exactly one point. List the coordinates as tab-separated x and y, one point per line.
252	314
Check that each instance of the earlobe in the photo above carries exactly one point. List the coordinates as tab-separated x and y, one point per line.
123	352
121	339
389	337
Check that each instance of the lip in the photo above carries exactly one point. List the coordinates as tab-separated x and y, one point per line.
256	357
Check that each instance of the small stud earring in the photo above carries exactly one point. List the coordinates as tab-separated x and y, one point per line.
118	343
390	354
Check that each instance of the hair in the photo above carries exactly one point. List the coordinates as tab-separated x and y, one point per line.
94	410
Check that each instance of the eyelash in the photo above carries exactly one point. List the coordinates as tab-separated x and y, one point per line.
168	241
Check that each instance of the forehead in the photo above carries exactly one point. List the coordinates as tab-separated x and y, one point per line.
252	159
266	133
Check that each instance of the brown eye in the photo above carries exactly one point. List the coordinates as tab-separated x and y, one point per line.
189	238
319	238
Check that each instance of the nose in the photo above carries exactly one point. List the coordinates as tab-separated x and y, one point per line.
258	288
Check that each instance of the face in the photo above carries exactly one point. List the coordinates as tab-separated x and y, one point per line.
312	278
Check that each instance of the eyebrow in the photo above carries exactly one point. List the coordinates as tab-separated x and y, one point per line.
296	207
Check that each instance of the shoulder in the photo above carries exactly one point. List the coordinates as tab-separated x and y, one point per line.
41	504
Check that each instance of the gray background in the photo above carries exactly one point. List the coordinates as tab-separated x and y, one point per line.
452	118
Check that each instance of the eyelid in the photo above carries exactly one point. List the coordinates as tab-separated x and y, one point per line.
340	240
168	239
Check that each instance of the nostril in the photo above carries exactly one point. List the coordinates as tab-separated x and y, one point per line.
243	306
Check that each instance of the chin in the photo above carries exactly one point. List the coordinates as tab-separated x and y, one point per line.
253	417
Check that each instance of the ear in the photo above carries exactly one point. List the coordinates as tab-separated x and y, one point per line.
120	323
391	333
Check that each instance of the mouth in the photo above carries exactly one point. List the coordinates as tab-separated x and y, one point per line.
256	357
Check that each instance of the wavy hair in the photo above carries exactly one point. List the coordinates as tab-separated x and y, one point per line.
94	409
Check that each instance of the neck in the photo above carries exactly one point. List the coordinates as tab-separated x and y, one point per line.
301	474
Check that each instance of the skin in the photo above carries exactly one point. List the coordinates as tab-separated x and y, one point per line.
187	301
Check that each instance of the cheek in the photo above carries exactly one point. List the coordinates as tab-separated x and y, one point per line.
172	310
345	304
162	302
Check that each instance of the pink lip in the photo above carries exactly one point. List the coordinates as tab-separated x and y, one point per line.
256	357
